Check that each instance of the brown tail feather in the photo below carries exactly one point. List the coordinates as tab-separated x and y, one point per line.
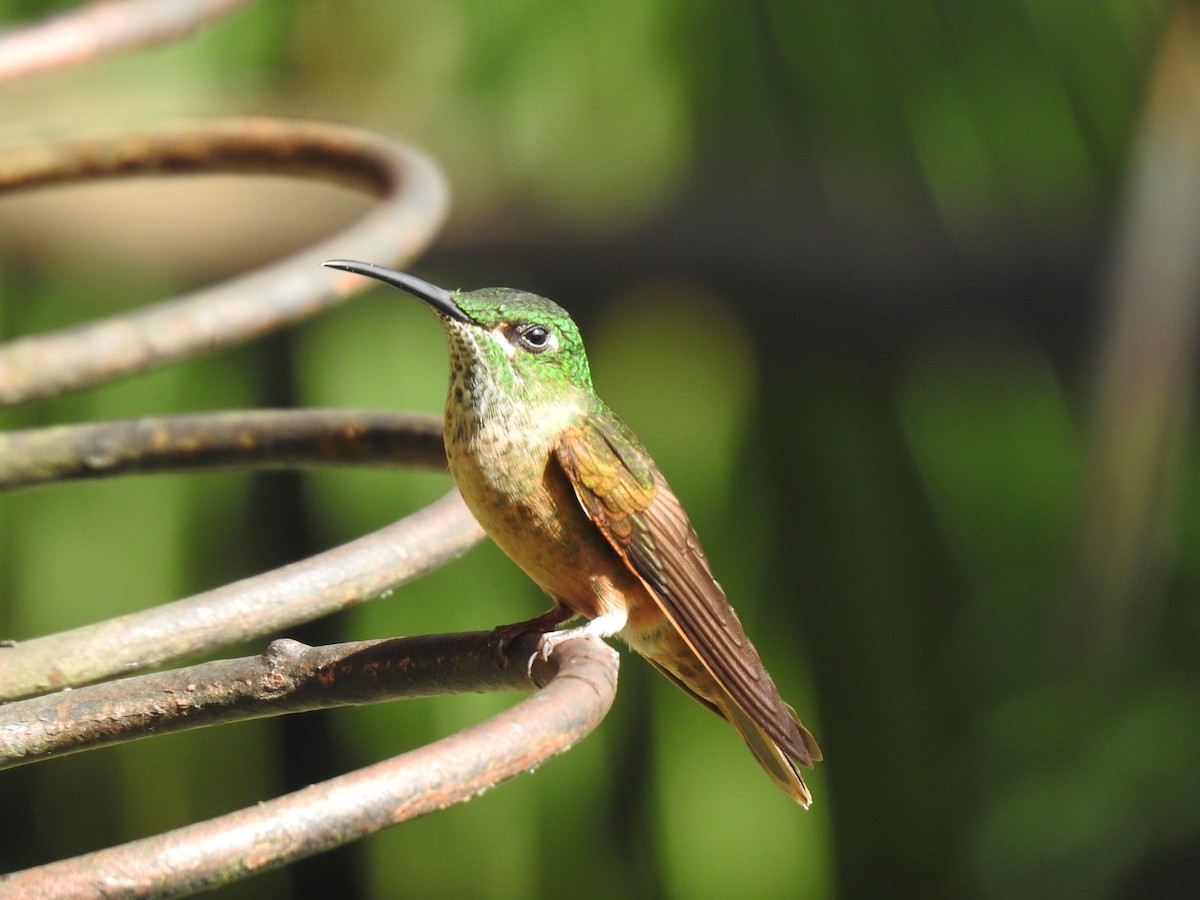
783	771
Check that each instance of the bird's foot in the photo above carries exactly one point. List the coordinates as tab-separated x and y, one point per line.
602	627
503	635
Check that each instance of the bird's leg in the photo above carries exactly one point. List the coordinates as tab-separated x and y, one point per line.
602	626
503	635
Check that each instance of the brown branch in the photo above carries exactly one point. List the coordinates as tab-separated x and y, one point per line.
103	29
580	683
411	188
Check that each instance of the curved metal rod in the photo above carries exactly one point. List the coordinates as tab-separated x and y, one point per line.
582	684
103	29
261	604
288	677
255	439
579	677
412	189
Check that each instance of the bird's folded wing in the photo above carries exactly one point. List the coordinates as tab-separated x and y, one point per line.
628	499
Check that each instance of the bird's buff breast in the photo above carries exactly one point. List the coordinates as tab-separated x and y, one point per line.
526	505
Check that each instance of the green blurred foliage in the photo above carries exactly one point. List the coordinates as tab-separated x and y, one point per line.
838	264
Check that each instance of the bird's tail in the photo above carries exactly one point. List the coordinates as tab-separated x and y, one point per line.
783	769
778	763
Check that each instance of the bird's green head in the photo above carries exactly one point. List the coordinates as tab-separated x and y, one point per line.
504	337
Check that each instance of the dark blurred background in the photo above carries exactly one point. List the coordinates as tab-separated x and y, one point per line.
901	296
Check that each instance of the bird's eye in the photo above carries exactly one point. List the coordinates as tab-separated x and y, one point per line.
535	338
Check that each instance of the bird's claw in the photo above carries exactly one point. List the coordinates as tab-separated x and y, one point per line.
551	639
547	641
503	635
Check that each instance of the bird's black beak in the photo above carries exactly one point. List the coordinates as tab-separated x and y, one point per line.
439	298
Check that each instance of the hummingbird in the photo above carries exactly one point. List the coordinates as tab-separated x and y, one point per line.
568	492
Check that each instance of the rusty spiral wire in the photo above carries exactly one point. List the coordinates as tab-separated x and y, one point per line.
576	684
